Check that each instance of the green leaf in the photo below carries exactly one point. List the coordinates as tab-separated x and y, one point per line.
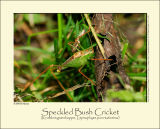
139	66
47	61
138	97
124	50
78	98
104	37
138	78
94	92
137	74
37	95
38	18
126	95
77	29
26	17
122	95
34	49
60	18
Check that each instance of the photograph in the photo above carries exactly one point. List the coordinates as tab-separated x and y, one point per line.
77	57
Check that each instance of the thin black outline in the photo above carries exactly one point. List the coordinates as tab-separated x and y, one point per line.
147	48
147	62
79	0
70	0
79	128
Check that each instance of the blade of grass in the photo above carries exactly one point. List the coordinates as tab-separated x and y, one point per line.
45	79
139	66
137	74
29	44
78	98
132	59
124	50
138	78
43	32
28	48
95	35
67	27
55	47
29	53
139	51
94	92
59	31
104	37
77	29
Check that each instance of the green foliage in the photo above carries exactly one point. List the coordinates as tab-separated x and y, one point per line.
126	96
136	68
124	50
56	56
37	18
34	49
43	48
60	17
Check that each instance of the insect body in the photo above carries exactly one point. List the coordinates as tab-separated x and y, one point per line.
78	60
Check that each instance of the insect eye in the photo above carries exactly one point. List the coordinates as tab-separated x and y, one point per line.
58	71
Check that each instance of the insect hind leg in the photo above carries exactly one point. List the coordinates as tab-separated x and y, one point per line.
79	70
61	85
44	71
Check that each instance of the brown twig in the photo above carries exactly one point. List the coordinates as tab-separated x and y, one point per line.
69	89
95	35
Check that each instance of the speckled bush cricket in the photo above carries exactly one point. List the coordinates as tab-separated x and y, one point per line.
78	60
